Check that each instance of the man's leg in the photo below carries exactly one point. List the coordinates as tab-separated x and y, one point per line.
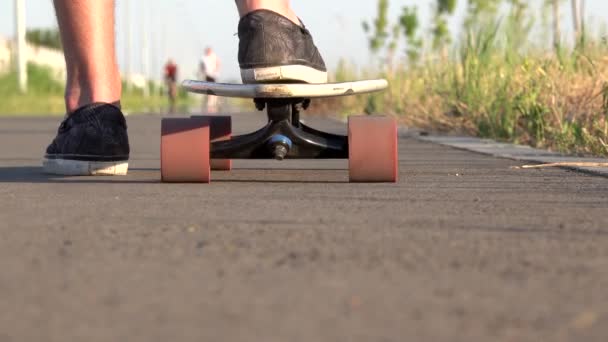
87	33
280	6
275	46
212	104
92	140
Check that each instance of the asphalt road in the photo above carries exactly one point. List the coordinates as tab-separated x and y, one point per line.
463	248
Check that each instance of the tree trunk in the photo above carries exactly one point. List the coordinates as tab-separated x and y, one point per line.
582	16
576	18
557	34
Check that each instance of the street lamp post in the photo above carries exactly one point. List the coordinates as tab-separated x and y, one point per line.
20	50
145	50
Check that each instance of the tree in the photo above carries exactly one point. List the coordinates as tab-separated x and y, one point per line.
44	37
378	34
576	18
409	23
480	13
519	24
441	32
446	6
557	32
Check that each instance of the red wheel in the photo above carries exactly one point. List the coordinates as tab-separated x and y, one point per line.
372	149
220	129
184	151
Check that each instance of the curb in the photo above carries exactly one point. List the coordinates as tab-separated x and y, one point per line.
514	152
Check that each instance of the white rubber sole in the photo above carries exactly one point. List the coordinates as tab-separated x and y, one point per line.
65	167
283	73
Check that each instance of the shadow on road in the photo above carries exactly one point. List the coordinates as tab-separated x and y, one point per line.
33	175
312	169
274	181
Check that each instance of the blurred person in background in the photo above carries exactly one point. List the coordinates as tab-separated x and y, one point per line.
209	70
170	76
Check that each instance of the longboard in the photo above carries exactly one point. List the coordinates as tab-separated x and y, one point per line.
285	90
191	147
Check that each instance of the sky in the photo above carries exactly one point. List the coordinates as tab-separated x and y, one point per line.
181	29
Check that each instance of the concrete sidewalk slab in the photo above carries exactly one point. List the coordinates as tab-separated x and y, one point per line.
518	152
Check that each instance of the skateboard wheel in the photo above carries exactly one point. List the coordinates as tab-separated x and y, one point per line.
220	129
184	151
372	149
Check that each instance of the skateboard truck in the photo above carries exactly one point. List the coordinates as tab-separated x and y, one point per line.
192	147
283	137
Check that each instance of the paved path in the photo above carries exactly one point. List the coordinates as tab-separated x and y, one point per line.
463	248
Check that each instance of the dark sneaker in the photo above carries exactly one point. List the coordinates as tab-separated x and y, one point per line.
272	48
92	141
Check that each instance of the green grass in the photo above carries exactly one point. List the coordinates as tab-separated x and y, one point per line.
489	88
45	96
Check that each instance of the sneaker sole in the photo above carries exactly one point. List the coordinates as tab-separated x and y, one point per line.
299	73
66	167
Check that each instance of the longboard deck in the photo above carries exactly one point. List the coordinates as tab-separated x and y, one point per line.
285	90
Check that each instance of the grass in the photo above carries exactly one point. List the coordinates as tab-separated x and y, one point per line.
487	88
45	96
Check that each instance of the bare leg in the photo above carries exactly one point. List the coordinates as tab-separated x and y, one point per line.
280	6
212	104
87	33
